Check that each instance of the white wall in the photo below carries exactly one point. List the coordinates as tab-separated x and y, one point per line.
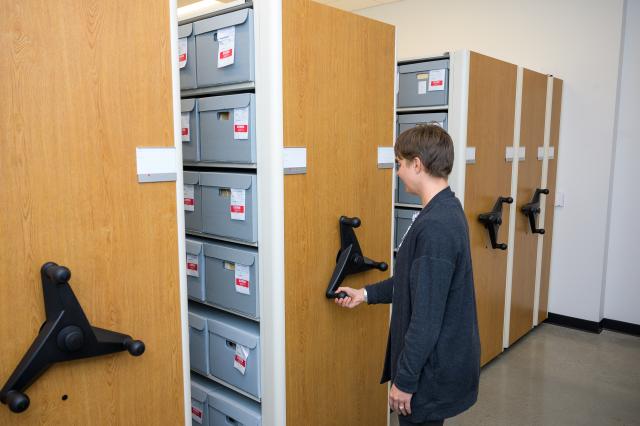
578	41
622	286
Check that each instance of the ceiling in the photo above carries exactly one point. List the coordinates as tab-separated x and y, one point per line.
340	4
354	4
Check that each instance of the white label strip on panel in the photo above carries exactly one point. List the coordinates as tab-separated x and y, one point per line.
386	157
470	155
522	153
509	153
156	164
543	200
551	152
511	241
294	161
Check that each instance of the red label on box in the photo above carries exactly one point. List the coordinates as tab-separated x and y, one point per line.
196	412
241	128
182	57
242	283
436	83
237	209
226	53
192	266
185	131
189	202
242	362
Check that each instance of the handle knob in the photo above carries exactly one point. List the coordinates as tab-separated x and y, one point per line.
17	401
56	273
135	347
353	222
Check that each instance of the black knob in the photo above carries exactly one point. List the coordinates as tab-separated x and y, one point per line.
58	274
135	347
540	231
341	295
71	339
382	266
508	200
17	401
502	246
354	222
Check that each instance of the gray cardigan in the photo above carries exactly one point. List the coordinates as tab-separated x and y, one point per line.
433	349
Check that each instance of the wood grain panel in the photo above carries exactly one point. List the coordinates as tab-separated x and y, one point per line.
338	102
534	95
492	90
550	199
83	83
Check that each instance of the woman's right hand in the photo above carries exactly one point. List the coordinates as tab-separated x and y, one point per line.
353	299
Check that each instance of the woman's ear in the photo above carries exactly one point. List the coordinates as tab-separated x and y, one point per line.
416	164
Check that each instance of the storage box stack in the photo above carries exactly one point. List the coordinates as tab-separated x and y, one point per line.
423	93
216	59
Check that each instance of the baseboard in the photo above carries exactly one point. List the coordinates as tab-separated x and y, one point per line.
577	323
621	326
593	326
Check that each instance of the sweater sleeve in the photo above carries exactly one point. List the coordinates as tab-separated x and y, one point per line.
430	280
381	292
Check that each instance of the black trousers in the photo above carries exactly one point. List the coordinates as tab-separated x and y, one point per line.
404	422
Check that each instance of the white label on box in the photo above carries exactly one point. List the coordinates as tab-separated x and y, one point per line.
226	46
242	279
186	130
182	52
189	198
192	266
240	359
422	87
436	80
237	207
241	123
196	414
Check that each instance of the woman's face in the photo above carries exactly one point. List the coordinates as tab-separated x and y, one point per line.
405	169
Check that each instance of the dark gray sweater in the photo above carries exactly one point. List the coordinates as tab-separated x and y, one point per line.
433	349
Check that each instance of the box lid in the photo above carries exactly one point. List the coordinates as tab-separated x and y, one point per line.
235	329
187	105
240	409
424	66
218	103
230	254
194	247
196	321
185	30
191	178
222	21
227	180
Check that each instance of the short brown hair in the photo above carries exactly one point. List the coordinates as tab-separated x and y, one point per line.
431	144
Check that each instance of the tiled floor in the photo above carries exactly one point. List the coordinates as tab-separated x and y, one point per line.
560	376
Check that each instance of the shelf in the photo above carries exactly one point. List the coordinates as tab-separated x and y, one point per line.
408	61
443	108
218	90
228	385
246	5
408	206
215	237
251	166
220	308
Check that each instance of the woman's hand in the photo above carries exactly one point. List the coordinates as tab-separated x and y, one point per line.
353	299
399	401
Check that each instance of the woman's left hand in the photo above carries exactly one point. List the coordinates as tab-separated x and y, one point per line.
399	401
